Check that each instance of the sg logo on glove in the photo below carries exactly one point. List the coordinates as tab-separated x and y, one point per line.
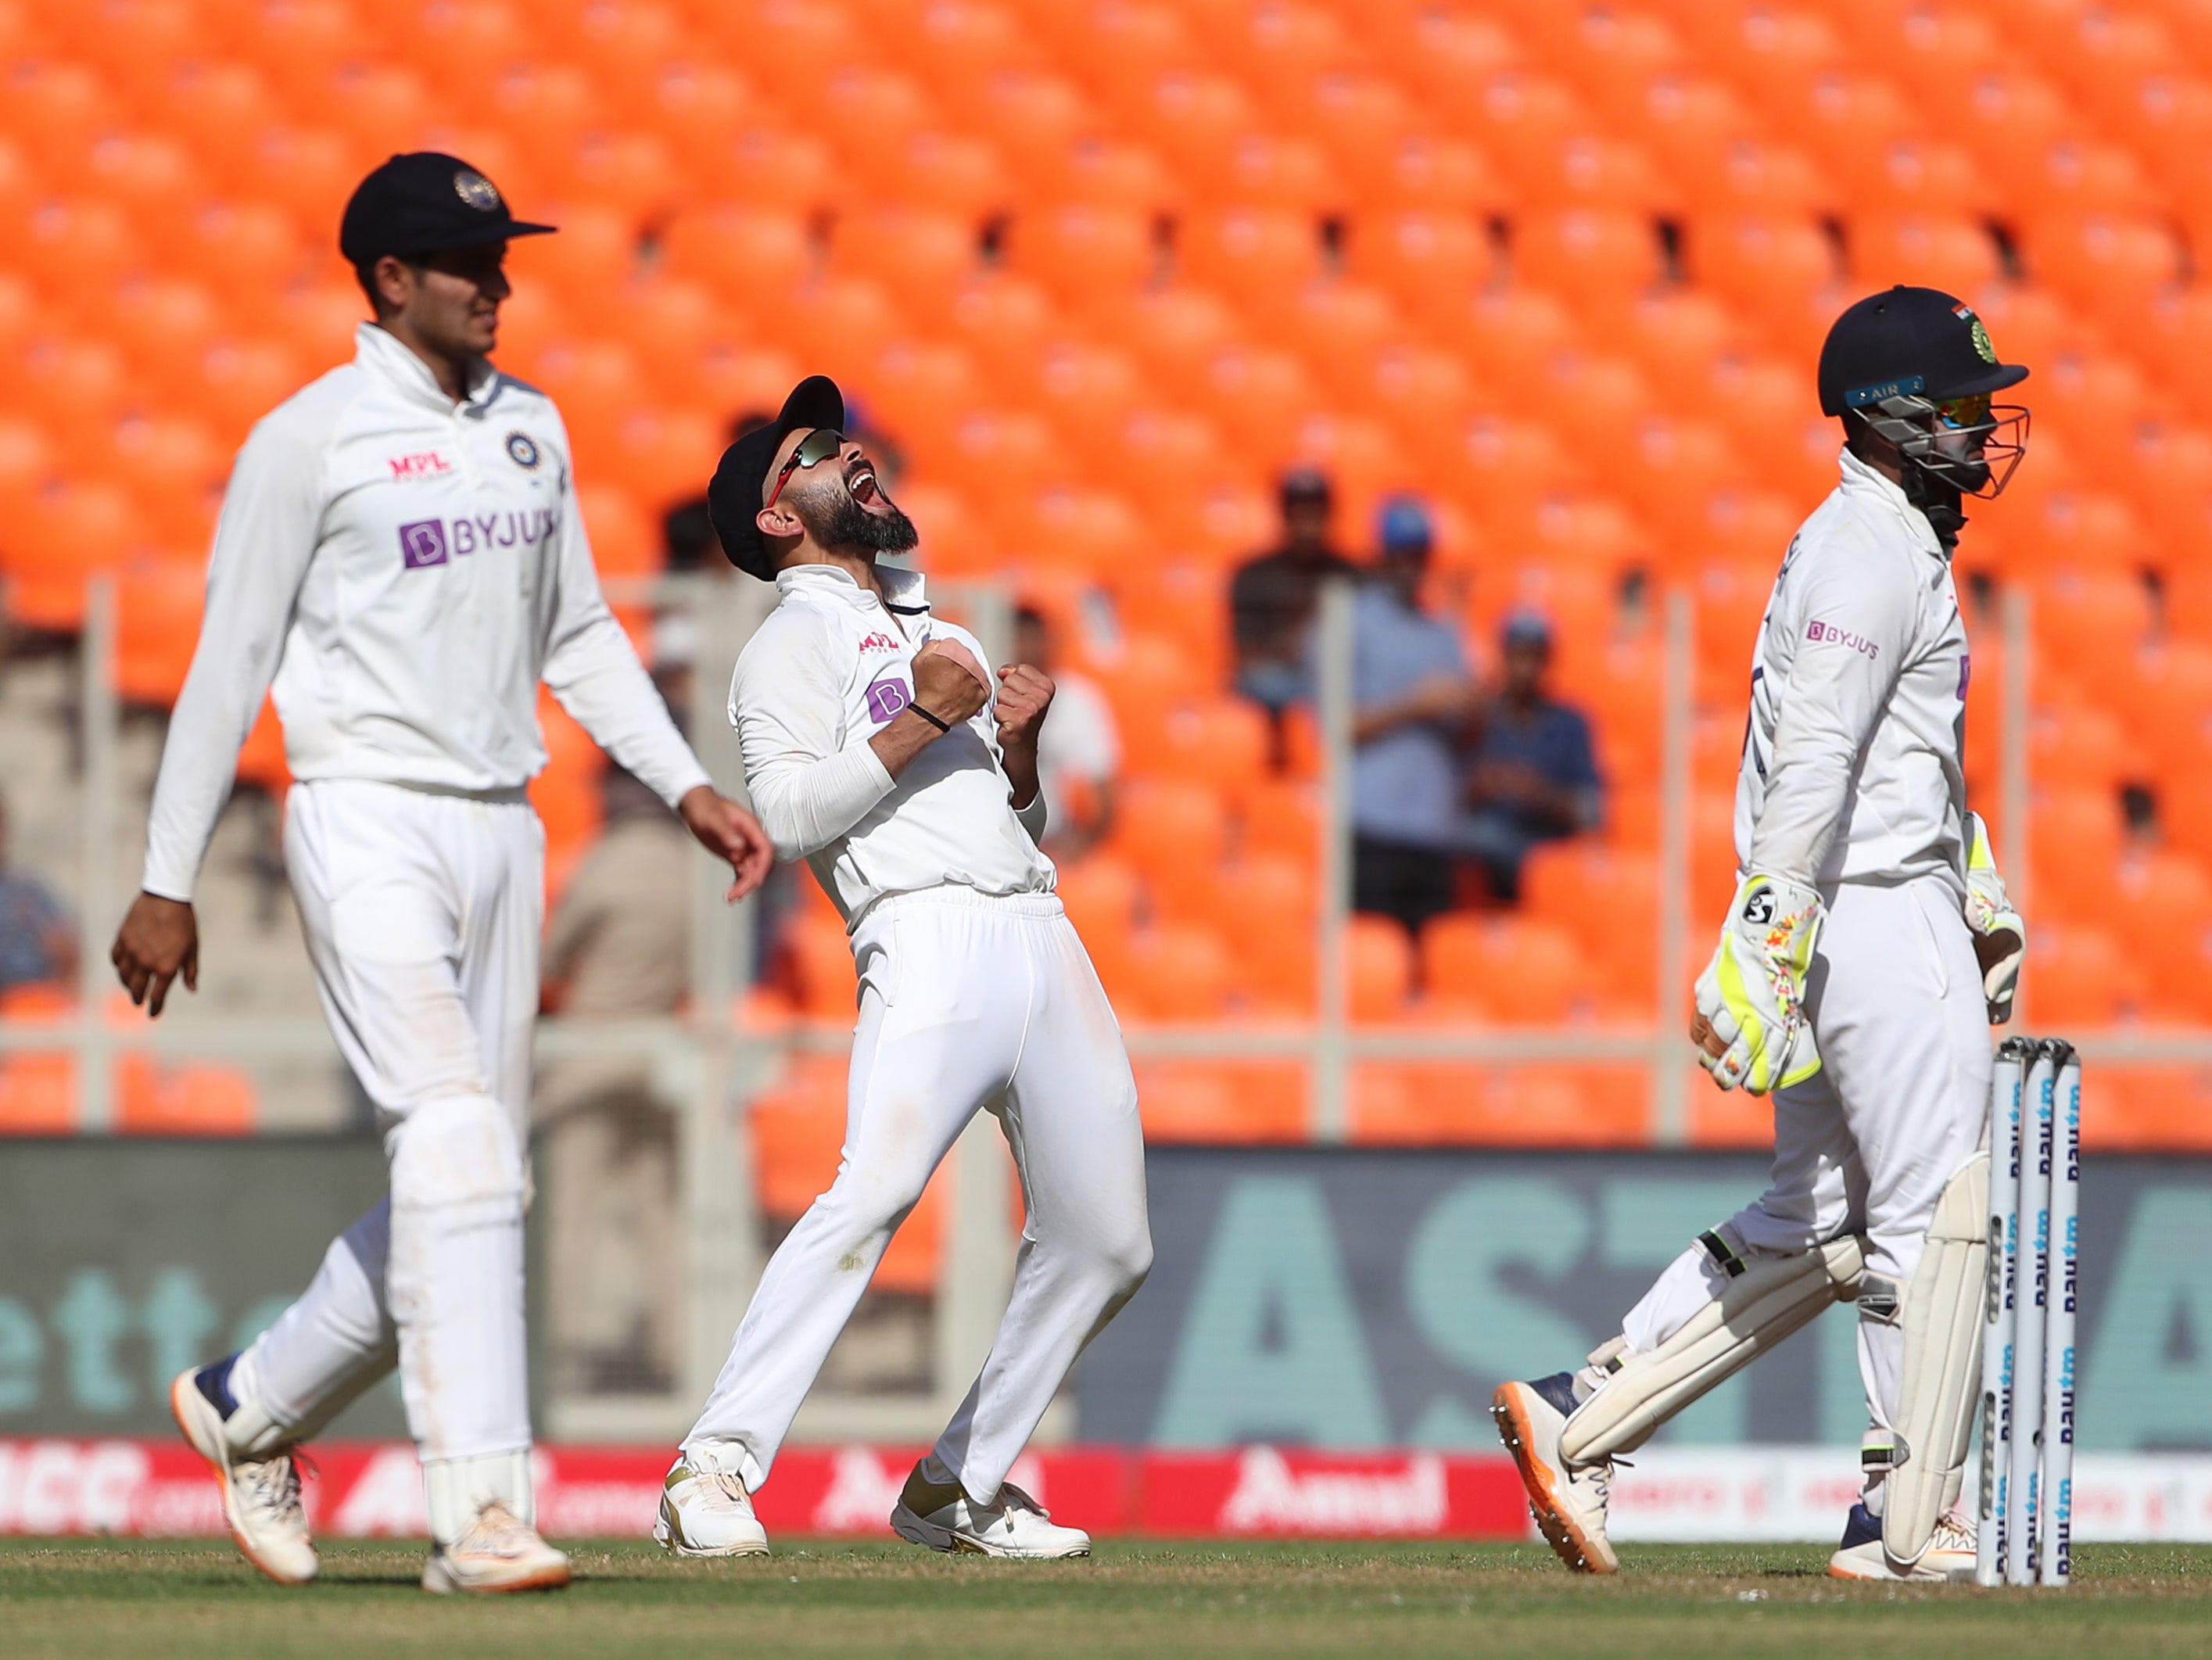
1752	995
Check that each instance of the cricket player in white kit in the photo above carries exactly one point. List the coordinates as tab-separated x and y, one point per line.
400	551
1868	947
877	749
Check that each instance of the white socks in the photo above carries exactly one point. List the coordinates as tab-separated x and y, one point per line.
455	1489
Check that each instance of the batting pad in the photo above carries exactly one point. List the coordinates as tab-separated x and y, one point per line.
1943	1377
1758	1308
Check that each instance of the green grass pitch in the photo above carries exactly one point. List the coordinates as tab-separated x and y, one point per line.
148	1599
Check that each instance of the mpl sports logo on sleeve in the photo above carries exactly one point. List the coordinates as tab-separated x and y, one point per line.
427	542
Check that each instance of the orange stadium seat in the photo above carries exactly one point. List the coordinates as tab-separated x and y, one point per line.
1512	968
1034	115
58	108
2114	266
1445	1104
1380	964
1521	119
926	257
1006	321
1259	397
1178	972
1195	118
2079	974
75	250
1280	48
1442	52
1511	334
1159	823
157	626
1780	271
1601	259
750	255
1085	255
1948	251
1251	1103
1432	261
969	45
1252	255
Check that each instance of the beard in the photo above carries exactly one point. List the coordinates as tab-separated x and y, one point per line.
843	524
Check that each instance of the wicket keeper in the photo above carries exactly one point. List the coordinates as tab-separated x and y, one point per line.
1867	948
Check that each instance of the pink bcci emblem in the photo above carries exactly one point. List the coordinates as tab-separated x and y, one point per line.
886	698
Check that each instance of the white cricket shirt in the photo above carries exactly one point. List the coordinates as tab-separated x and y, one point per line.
1853	766
830	667
406	569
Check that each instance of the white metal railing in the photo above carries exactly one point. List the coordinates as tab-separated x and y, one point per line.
707	1066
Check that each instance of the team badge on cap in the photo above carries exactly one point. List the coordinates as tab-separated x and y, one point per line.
522	450
473	188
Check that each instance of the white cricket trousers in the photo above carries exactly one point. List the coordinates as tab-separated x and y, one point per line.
422	912
1867	1143
967	1001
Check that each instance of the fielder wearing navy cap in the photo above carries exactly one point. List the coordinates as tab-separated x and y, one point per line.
867	521
426	202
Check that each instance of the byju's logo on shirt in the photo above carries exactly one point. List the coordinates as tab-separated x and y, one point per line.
422	542
1827	633
432	541
886	698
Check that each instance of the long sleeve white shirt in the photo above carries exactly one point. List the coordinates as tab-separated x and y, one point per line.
405	570
1853	758
830	667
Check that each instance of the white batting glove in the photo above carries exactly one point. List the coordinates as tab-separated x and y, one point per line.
1999	935
1752	993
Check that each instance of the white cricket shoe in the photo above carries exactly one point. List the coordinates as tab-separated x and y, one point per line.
1012	1525
707	1512
1568	1502
1949	1556
260	1496
501	1552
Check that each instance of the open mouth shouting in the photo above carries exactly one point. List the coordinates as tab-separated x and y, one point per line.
860	482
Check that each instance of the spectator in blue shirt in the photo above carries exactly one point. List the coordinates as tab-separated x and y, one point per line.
1413	697
1532	777
36	940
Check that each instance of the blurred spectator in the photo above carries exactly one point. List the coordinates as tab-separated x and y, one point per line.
1273	596
1532	777
1413	697
1079	748
618	948
37	941
687	537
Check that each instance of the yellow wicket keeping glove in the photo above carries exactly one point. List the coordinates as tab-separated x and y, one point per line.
1752	993
1999	935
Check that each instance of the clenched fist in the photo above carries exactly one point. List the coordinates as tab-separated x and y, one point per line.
949	682
1024	695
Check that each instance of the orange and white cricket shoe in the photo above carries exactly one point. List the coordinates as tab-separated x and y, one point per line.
1568	1502
1949	1557
501	1552
260	1496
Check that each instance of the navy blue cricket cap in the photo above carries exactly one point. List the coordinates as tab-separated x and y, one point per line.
733	499
1908	341
426	202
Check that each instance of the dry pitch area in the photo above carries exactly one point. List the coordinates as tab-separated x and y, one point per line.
148	1600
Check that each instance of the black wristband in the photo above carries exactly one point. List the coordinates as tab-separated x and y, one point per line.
942	726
